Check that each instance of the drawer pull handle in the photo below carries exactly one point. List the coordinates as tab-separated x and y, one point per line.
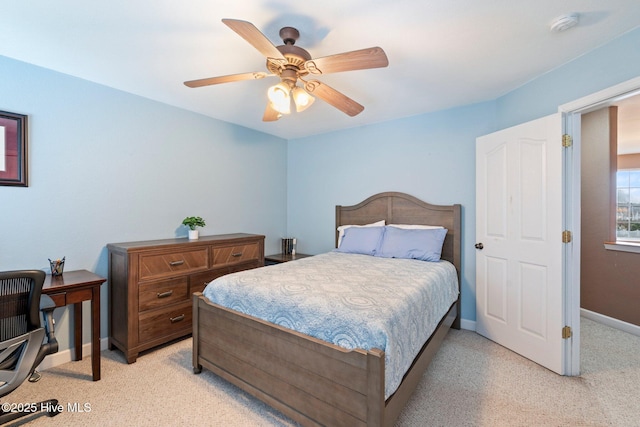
175	263
237	254
165	294
177	318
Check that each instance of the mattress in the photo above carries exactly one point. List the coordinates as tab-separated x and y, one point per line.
350	300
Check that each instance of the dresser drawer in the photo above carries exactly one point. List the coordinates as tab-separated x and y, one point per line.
158	294
168	263
235	254
164	322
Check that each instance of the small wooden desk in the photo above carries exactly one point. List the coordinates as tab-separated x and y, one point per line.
73	287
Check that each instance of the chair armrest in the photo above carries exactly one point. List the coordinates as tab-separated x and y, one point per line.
46	303
47	306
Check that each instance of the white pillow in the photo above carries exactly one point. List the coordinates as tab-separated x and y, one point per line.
344	227
415	226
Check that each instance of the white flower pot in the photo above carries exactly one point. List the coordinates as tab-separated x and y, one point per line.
193	234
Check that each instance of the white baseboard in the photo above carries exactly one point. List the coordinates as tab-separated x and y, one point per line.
65	356
629	328
469	325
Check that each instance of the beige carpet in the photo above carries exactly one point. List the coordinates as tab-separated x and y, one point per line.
471	382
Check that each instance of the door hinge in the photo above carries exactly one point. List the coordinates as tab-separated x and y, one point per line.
566	332
566	236
567	140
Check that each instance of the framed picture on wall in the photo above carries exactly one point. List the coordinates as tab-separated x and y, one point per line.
13	149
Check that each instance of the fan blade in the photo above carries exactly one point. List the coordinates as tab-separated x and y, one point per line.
333	97
227	79
373	57
270	114
250	33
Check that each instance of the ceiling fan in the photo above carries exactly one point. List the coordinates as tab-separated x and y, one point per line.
292	64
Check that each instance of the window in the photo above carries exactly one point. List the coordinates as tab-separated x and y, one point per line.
628	205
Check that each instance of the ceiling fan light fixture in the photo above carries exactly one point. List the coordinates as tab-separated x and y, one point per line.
302	99
280	98
291	63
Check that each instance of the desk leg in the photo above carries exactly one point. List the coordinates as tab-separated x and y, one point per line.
95	333
77	333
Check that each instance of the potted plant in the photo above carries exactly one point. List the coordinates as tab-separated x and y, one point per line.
192	222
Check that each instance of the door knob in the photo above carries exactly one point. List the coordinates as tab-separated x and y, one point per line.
479	246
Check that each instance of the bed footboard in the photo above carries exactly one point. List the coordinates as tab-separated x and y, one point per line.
309	380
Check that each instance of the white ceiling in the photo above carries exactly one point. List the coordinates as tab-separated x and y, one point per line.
442	53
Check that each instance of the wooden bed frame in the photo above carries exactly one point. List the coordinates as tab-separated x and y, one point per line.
309	380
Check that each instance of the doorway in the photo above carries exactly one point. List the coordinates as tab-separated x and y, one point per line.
573	192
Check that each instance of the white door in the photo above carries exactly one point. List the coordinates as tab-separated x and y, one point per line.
519	249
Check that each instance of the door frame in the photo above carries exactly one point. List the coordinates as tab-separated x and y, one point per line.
572	113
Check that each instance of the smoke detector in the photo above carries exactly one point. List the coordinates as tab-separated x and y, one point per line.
564	22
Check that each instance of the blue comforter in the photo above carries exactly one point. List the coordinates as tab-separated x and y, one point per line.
351	300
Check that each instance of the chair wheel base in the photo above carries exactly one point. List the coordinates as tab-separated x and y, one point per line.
35	377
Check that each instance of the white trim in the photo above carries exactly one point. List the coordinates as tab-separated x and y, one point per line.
66	356
623	247
469	325
571	221
620	325
594	101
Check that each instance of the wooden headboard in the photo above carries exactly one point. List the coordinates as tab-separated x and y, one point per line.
401	208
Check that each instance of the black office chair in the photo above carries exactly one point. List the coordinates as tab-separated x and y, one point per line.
22	343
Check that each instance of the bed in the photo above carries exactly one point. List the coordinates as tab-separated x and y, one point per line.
310	380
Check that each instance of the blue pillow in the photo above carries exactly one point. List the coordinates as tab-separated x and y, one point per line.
361	240
425	245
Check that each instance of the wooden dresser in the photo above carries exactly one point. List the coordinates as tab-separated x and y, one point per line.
151	284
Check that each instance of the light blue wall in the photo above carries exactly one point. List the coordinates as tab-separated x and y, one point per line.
432	156
107	166
606	66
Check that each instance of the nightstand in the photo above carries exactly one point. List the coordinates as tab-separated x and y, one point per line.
280	258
